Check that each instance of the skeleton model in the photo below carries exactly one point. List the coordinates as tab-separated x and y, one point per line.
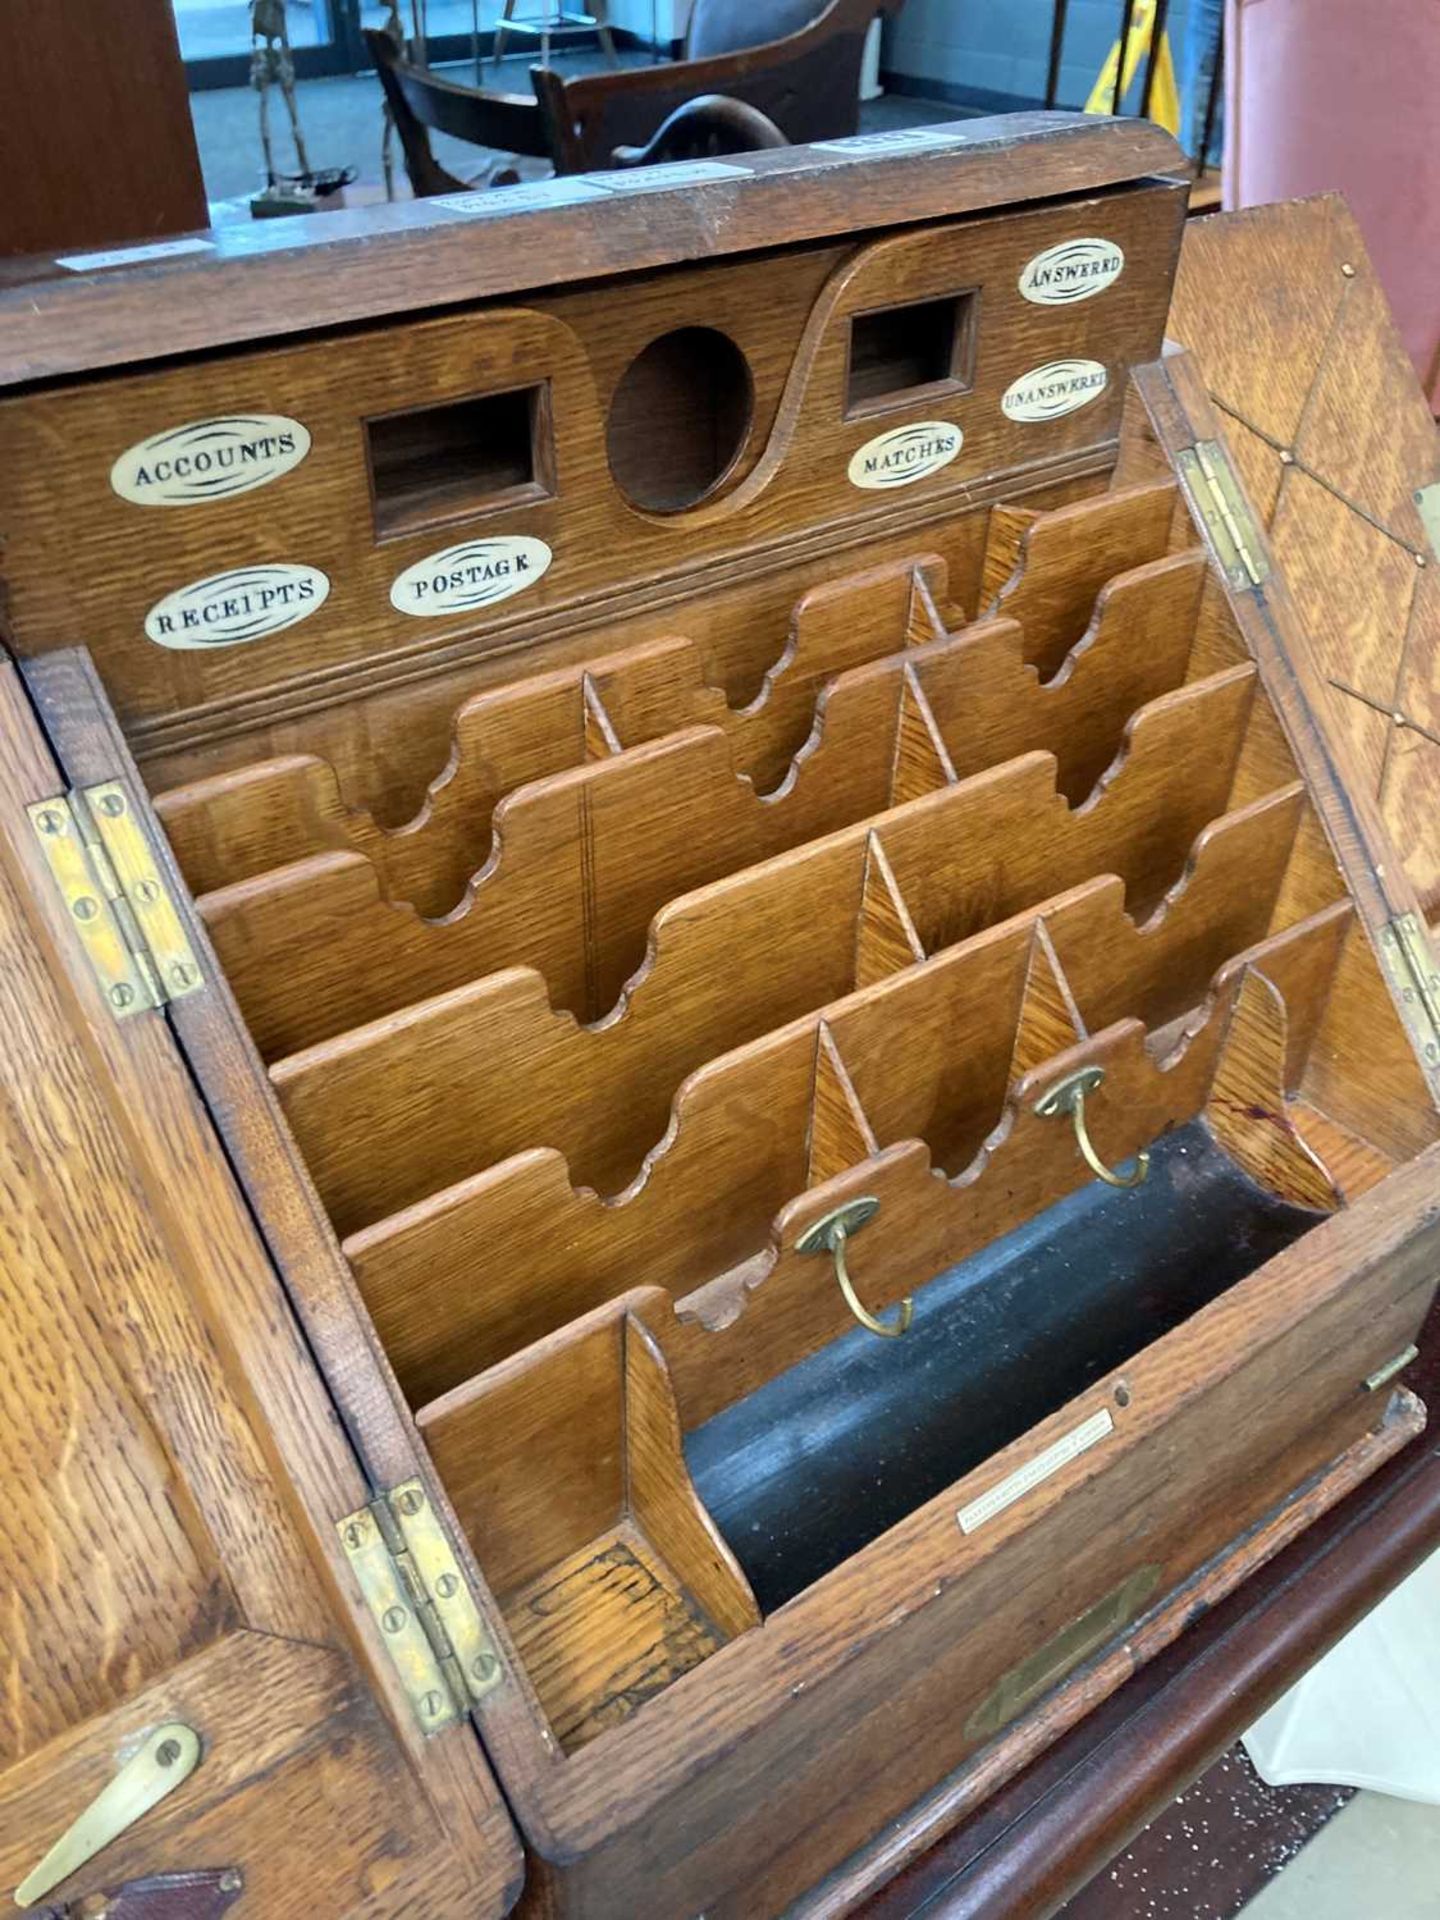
271	65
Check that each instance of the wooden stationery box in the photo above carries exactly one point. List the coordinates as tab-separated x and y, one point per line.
722	1051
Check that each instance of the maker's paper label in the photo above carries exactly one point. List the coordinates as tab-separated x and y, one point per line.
475	574
231	609
1073	270
857	146
133	256
906	454
1035	1472
560	192
1061	386
670	173
209	459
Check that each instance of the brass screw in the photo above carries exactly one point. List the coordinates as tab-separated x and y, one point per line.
354	1535
121	995
51	821
112	805
447	1586
167	1753
182	974
393	1619
86	907
431	1705
485	1666
411	1501
147	892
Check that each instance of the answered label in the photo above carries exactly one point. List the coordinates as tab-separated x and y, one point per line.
906	454
1062	386
1073	270
209	460
133	256
229	609
474	574
1035	1472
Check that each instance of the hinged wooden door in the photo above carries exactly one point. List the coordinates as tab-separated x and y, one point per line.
1305	384
1334	440
173	1468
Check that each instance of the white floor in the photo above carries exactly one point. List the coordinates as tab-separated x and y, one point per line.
1378	1859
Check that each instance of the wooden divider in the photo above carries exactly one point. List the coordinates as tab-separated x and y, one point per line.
1067	555
755	1127
405	1106
233	826
585	859
989	703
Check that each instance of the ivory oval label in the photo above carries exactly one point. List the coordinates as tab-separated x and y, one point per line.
1062	386
210	460
1073	270
229	609
906	454
477	573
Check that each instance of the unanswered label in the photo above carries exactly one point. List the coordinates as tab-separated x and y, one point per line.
1060	387
475	574
133	256
229	609
857	146
534	193
1073	270
1035	1472
209	460
905	454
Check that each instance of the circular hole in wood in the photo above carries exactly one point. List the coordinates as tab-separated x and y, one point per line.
679	418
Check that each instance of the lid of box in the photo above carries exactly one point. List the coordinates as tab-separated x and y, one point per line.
262	280
1326	422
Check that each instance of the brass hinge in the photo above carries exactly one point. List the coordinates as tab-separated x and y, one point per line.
422	1604
1414	977
1215	493
118	902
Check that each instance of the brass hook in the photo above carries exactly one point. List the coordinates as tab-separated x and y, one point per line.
828	1235
1068	1097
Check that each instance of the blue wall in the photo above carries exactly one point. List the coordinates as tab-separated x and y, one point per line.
994	53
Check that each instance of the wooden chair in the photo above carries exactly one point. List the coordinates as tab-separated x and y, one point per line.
509	123
794	61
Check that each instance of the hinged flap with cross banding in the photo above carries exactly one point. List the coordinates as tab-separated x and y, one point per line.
1336	448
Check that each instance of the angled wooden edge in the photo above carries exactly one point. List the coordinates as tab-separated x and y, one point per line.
1182	416
269	278
1048	1831
212	1043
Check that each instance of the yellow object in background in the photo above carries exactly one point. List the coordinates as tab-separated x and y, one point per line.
1164	94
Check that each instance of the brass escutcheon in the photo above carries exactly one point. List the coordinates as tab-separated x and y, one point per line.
1067	1096
829	1235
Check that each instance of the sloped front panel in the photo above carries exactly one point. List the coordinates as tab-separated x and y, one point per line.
1333	439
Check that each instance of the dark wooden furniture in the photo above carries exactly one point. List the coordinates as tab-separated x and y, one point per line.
792	60
96	142
419	100
723	708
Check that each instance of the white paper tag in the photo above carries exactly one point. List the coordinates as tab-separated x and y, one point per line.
898	140
531	193
671	173
1025	1479
131	256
